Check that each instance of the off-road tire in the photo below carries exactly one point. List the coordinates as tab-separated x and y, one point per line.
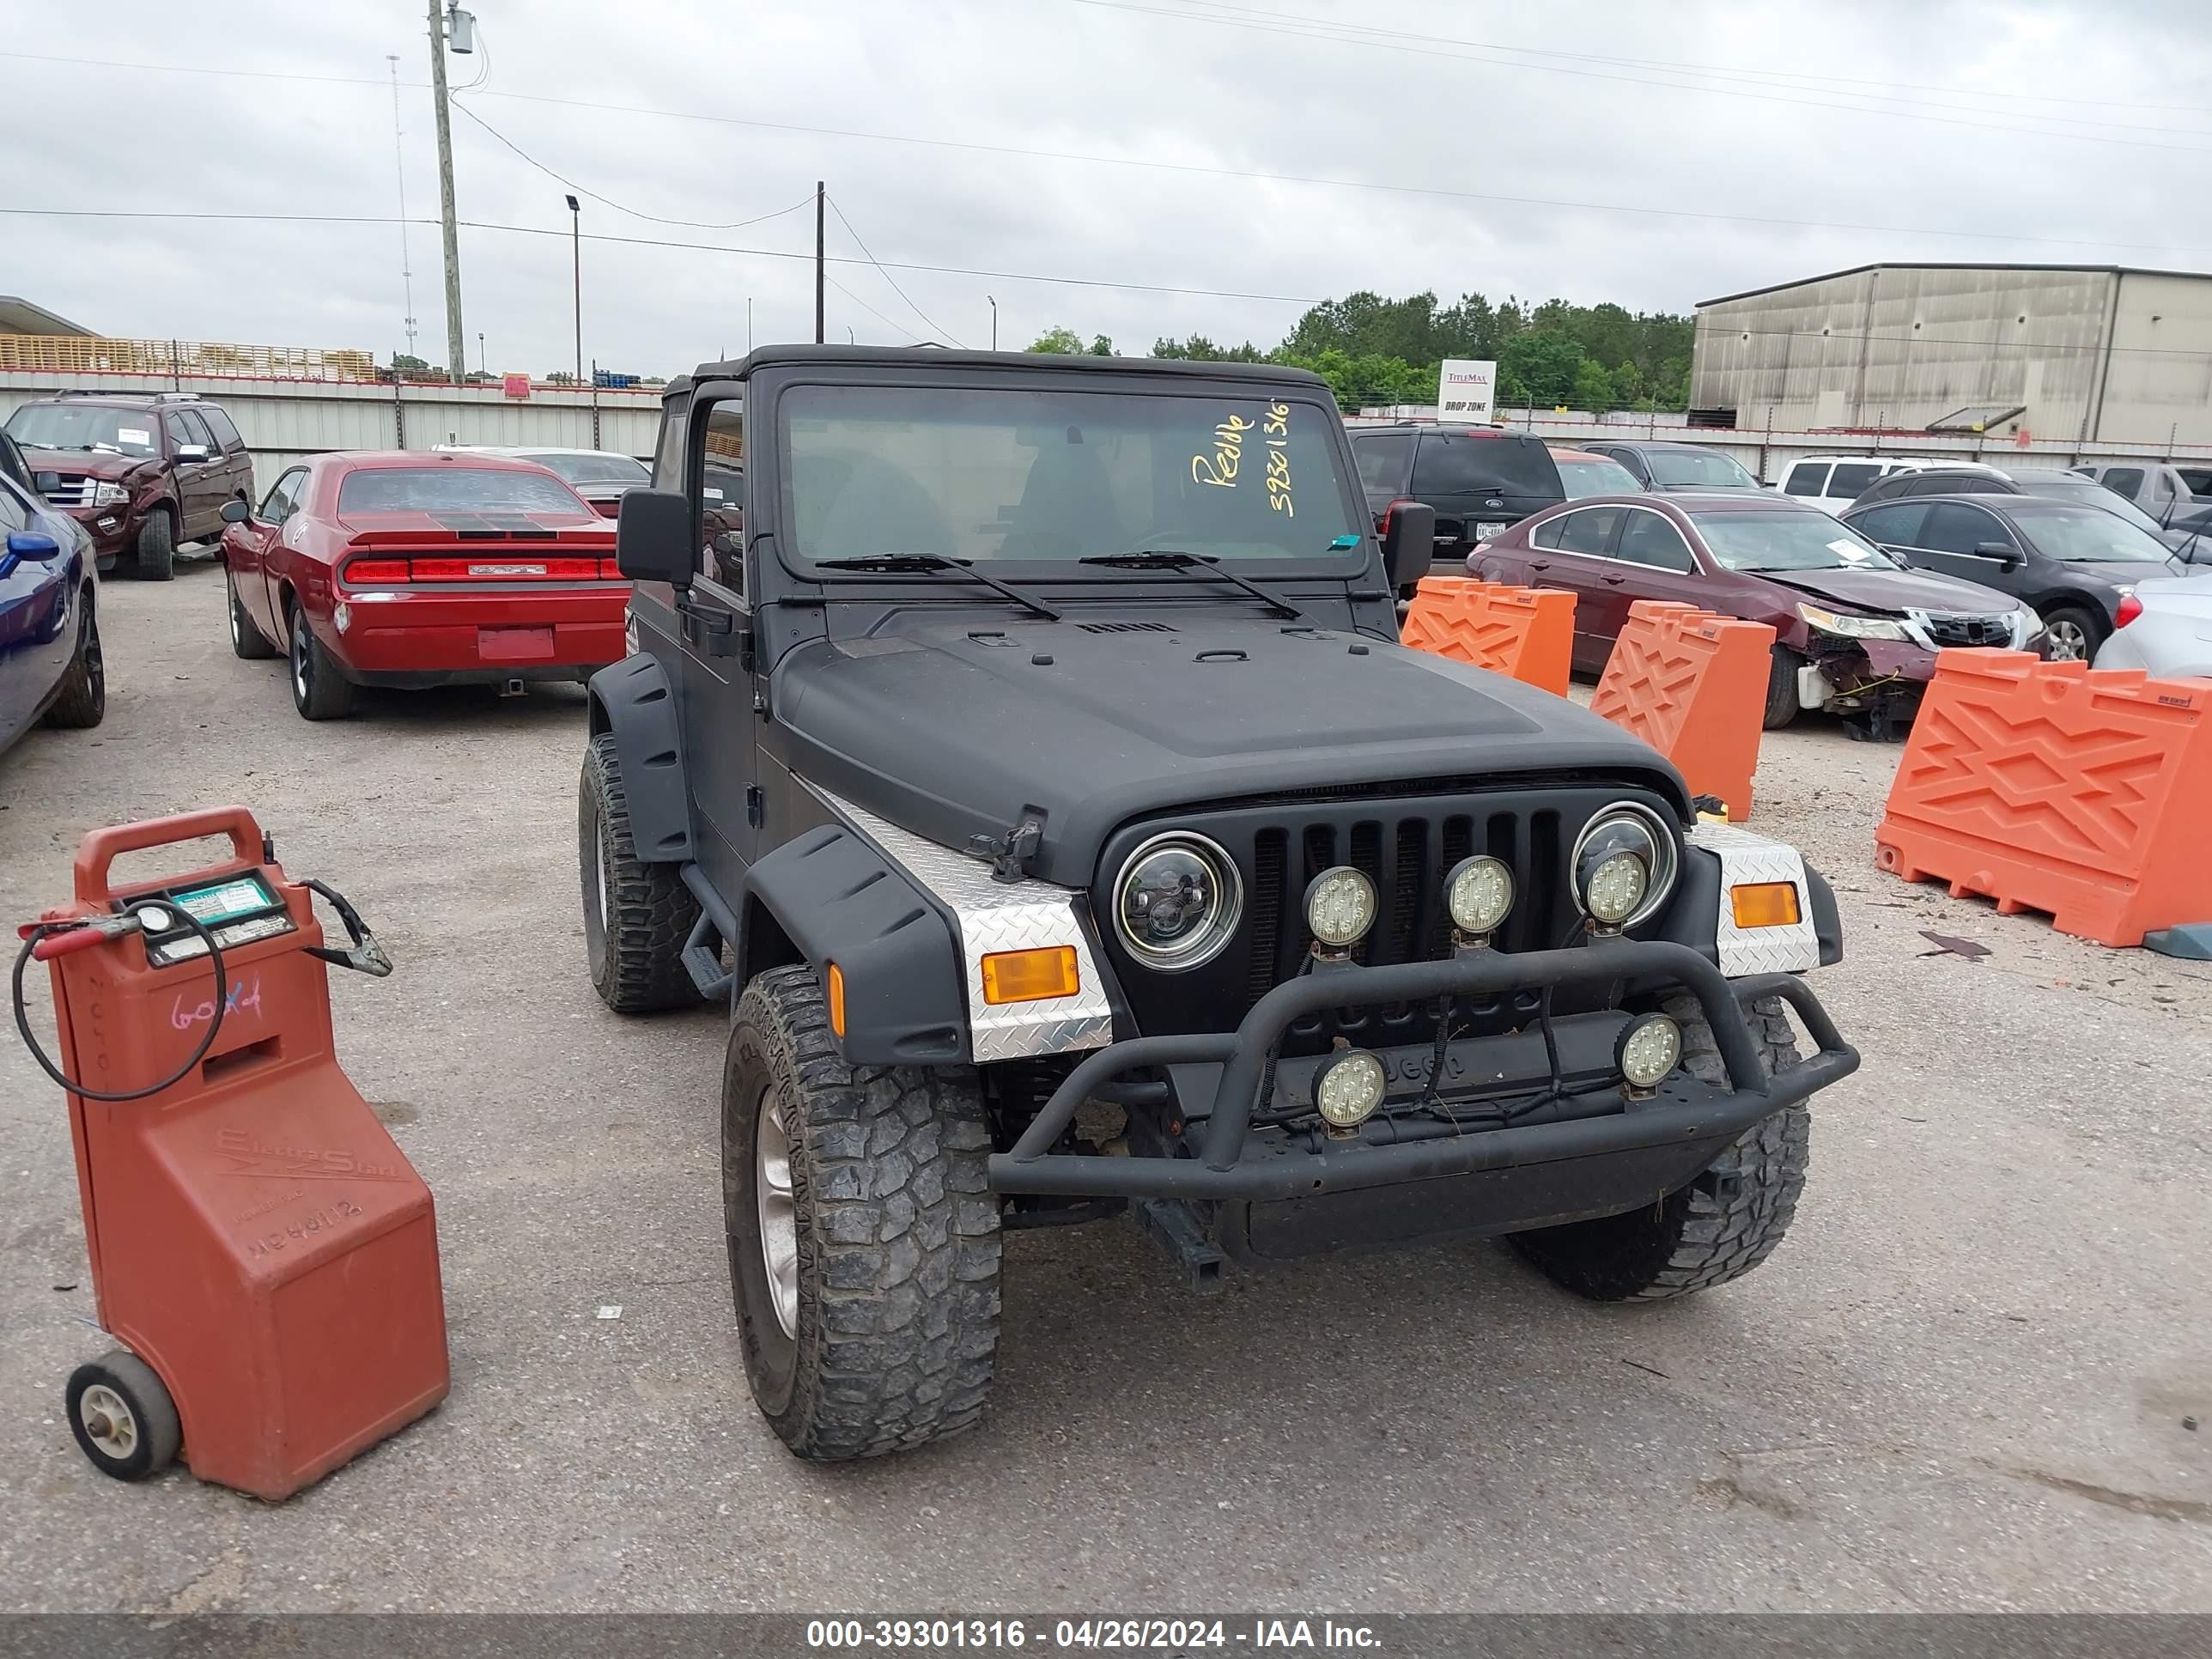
320	691
897	1309
1720	1226
246	639
155	557
1781	689
634	943
82	700
156	1434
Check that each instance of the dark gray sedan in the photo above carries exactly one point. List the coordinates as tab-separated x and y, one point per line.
2074	564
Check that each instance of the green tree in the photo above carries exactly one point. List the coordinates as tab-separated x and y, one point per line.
402	360
1199	349
1542	364
1594	388
1060	341
1102	347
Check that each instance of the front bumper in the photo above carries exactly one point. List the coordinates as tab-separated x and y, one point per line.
1221	1155
113	529
429	637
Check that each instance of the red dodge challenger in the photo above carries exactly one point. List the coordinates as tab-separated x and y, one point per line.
413	570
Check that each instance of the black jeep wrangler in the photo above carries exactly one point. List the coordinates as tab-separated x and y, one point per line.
1037	775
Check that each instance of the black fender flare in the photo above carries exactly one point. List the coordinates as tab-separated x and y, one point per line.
830	896
633	699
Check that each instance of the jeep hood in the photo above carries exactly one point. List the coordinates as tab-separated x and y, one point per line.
956	729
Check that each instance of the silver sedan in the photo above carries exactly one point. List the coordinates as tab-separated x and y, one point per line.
2164	627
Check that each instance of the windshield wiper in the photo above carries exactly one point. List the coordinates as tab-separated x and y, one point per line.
1202	566
900	564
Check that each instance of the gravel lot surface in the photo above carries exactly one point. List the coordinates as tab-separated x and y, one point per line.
1961	1384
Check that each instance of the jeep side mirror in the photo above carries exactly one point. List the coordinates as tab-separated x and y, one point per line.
1409	542
236	512
653	537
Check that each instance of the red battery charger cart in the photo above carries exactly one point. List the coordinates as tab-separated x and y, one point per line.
263	1250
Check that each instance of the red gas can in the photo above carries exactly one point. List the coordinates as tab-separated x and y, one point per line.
257	1241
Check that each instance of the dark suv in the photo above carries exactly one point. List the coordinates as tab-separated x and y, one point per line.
1037	779
141	472
1480	480
2047	482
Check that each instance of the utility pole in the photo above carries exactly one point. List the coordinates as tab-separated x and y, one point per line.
577	255
817	262
400	170
994	322
456	349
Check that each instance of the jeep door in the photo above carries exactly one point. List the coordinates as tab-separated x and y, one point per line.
722	731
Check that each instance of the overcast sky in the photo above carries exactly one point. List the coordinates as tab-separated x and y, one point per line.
1781	140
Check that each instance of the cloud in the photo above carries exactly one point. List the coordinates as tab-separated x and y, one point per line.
1929	119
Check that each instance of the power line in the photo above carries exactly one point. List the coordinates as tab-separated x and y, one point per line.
900	327
1780	78
935	327
608	201
1486	55
1199	171
648	242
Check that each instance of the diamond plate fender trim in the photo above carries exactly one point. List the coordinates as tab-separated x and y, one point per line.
1747	858
993	916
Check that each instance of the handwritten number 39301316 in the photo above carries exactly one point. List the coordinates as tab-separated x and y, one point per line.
1220	466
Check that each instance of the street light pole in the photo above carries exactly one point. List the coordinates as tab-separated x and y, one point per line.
483	366
817	262
576	256
994	323
457	351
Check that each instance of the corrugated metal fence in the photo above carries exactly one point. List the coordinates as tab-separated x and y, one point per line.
282	420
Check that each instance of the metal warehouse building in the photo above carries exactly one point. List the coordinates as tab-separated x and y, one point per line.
2071	355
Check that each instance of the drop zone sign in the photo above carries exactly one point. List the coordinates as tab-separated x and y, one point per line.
1464	390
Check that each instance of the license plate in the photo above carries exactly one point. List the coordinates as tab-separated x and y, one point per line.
1490	528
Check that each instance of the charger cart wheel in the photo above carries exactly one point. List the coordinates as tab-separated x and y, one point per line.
637	916
246	639
123	1417
156	555
320	692
1720	1226
863	1241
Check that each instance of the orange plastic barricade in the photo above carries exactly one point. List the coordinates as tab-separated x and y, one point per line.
1528	633
2052	787
1692	685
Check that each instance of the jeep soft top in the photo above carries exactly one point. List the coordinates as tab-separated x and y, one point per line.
1035	774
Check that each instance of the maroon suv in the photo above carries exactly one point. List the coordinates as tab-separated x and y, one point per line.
140	471
1856	633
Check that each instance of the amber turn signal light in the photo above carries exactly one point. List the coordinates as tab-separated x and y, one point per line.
836	999
1766	904
1030	976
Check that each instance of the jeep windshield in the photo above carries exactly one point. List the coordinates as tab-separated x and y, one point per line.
987	475
85	426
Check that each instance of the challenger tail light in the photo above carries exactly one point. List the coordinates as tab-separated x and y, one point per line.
398	573
2131	608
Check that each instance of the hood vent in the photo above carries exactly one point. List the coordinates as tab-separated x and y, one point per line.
1127	628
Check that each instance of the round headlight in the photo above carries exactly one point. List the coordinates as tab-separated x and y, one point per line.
1340	906
1177	900
1648	1049
1624	865
1349	1088
1478	893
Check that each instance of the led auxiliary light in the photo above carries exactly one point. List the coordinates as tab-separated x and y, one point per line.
1650	1046
1348	1088
1340	906
1478	894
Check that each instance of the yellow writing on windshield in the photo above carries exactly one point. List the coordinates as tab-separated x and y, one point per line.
1276	430
1219	468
